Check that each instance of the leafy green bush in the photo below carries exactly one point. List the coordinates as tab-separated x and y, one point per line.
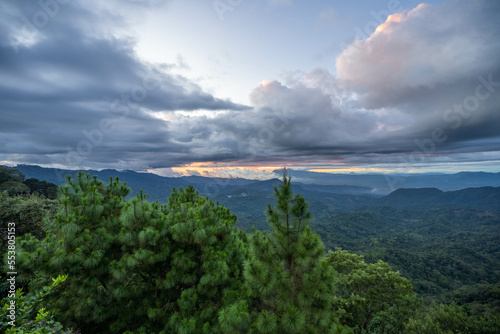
43	324
21	320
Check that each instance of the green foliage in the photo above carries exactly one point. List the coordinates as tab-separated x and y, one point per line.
289	286
43	324
10	174
43	188
445	319
81	242
141	267
27	212
185	256
24	306
29	215
14	188
441	251
12	181
370	296
478	299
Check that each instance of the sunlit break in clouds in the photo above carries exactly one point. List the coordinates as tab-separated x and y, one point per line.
178	88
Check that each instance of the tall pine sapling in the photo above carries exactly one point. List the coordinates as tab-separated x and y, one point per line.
289	285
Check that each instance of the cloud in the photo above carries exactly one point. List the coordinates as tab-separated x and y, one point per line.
406	95
305	119
421	51
437	65
62	80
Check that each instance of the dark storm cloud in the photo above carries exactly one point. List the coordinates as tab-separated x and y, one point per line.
74	94
66	64
64	73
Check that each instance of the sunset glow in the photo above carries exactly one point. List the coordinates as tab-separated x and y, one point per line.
265	83
261	172
351	170
390	19
209	169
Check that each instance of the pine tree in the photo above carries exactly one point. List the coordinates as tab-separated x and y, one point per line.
81	242
136	266
182	262
289	285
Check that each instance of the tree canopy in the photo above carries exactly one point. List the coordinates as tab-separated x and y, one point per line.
135	266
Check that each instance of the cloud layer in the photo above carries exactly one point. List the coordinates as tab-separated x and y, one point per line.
424	88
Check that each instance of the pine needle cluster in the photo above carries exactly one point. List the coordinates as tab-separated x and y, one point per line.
289	286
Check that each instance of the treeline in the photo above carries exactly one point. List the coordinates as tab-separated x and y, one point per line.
13	182
103	264
26	203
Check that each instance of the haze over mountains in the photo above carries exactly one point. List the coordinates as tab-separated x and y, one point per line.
353	183
328	193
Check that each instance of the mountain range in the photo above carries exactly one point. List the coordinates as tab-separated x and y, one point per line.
327	193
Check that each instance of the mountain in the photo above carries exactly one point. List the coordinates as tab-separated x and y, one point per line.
157	187
383	184
484	198
439	249
338	189
327	193
354	184
405	197
249	202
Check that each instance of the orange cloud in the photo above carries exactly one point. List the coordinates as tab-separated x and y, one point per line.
394	18
210	169
350	170
265	83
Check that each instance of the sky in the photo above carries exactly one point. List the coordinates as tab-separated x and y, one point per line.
239	88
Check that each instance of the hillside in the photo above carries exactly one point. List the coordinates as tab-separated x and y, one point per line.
446	242
441	250
384	184
354	184
248	198
484	198
157	187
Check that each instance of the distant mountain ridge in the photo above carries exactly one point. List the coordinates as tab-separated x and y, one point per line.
404	197
484	194
383	184
159	186
483	198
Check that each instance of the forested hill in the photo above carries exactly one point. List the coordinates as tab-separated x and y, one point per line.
190	255
317	185
157	187
484	198
383	184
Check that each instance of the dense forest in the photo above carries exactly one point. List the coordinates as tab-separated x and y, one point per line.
93	258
